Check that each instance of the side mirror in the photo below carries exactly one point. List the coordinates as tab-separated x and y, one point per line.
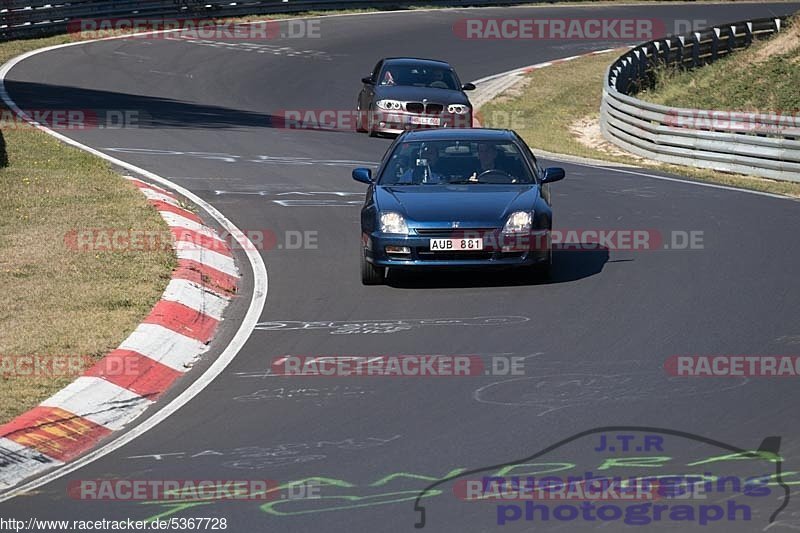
468	87
552	174
367	80
363	175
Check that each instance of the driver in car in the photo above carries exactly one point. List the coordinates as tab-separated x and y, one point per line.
490	158
438	81
487	155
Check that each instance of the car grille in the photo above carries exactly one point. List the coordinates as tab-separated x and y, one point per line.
424	254
419	107
454	233
427	255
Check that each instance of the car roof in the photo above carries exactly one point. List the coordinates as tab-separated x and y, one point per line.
416	61
460	134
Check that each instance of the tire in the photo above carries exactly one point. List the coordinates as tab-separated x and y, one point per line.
370	274
371	124
360	122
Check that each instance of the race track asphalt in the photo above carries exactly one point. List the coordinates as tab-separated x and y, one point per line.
595	338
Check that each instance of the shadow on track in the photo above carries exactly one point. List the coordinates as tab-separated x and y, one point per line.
568	265
116	110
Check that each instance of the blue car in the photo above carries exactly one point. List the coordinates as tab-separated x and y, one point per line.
456	198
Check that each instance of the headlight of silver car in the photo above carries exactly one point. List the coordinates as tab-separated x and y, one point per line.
457	109
518	222
393	223
391	105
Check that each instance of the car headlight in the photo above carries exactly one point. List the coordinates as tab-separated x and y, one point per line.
393	223
457	109
389	104
518	222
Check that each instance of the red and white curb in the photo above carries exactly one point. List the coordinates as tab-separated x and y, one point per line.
128	380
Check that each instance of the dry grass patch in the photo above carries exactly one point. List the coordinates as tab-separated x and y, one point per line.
56	300
764	78
565	96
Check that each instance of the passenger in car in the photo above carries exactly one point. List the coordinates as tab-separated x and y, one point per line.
426	170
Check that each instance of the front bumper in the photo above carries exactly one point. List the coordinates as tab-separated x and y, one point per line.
397	122
499	251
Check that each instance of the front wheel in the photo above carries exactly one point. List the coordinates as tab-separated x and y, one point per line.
360	121
371	123
371	274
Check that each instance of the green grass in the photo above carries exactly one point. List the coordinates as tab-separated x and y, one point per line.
765	77
55	300
548	103
545	109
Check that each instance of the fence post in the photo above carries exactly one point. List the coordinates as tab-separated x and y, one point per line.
769	148
715	32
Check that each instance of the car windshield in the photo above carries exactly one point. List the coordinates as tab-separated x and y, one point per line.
419	76
456	162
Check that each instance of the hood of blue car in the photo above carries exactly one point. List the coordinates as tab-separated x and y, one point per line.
472	205
417	94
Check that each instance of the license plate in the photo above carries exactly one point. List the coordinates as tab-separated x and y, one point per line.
455	245
427	121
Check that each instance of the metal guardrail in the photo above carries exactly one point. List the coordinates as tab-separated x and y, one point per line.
766	144
37	18
761	145
21	19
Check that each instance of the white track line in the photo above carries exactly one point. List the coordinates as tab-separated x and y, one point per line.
609	165
254	310
260	277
